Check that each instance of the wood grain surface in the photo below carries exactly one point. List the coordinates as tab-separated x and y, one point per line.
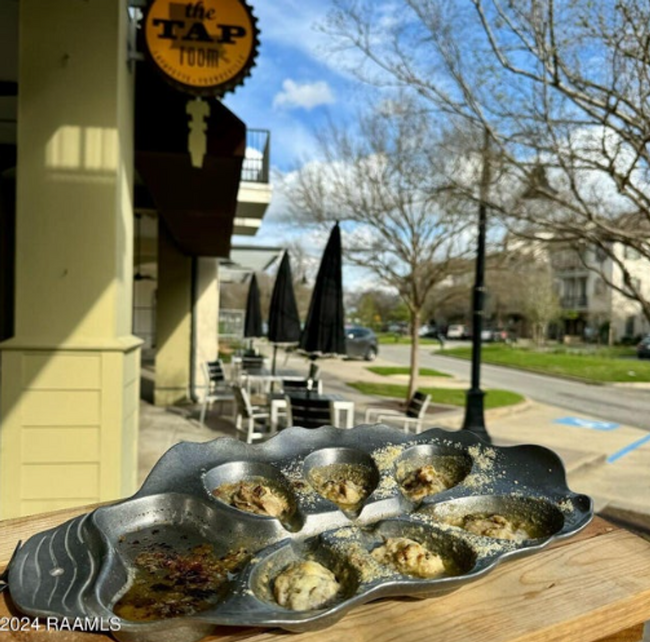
633	634
592	587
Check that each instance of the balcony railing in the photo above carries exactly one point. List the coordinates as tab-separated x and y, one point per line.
575	302
567	264
257	160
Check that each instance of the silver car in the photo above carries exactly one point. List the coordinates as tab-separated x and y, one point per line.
361	343
457	331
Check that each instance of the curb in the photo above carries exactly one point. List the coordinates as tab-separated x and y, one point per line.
633	385
506	411
492	413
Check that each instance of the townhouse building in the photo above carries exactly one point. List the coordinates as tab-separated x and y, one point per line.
590	306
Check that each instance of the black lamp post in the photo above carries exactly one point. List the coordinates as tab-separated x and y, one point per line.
474	407
539	188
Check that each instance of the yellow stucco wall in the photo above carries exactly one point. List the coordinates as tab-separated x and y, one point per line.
59	437
206	320
70	376
173	322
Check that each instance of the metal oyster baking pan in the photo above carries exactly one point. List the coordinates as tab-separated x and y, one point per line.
83	567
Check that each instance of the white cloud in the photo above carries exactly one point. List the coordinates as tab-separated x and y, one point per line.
307	95
299	24
292	23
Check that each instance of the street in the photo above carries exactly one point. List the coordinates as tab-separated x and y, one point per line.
610	403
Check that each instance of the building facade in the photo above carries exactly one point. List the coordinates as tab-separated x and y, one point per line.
591	308
90	137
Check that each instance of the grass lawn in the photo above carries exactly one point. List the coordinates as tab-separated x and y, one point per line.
389	337
387	371
605	366
447	396
609	352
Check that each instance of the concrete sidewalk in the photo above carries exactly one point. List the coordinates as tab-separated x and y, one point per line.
612	466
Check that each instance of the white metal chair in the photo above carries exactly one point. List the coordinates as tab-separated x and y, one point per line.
216	387
252	422
413	415
253	365
252	362
278	404
309	412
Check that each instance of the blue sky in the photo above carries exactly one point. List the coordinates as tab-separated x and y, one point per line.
295	83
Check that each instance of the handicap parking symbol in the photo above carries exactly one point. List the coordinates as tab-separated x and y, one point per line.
587	423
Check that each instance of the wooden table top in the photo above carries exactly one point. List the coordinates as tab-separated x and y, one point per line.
594	586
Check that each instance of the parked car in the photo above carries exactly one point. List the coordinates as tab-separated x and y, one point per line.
361	343
458	331
643	348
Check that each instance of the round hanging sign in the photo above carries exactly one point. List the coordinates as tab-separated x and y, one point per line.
204	48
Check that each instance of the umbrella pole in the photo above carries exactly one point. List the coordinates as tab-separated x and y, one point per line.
312	358
275	352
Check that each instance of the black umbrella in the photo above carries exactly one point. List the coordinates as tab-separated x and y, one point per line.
253	320
324	331
284	322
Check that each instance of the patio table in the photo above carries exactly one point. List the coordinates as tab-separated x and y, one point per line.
592	587
264	379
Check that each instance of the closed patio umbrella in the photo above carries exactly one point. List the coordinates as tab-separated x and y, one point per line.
284	322
253	319
324	331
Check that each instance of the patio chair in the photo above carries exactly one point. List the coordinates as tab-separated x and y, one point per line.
252	422
216	386
216	374
278	402
309	412
413	415
252	363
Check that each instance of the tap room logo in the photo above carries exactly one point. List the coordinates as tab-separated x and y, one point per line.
205	48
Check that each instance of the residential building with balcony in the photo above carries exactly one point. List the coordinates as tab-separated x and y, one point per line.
580	275
589	304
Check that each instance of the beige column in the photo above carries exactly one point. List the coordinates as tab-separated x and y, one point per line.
173	321
70	376
206	319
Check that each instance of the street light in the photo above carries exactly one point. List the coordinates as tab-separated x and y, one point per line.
474	406
538	189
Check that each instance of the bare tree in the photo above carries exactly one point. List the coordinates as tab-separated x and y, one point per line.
520	292
557	84
380	181
300	271
540	301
